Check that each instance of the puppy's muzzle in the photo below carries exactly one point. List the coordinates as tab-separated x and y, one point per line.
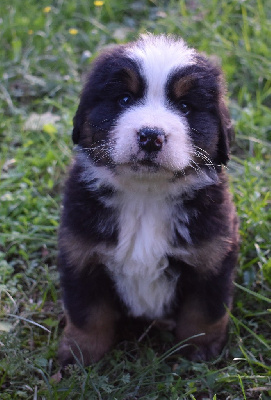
151	139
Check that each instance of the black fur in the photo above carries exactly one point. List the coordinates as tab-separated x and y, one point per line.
85	212
202	221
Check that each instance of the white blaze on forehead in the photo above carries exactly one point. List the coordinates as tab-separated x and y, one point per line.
159	56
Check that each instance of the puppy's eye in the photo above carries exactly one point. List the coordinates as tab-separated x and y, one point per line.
184	107
125	100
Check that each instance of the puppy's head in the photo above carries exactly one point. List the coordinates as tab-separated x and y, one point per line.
154	105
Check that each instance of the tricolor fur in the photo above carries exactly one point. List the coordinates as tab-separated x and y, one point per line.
148	228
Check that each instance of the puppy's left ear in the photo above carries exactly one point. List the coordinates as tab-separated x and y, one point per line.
226	133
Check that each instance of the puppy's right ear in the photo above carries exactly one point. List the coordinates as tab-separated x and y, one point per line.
77	125
80	115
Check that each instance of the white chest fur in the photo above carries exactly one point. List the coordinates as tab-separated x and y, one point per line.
141	255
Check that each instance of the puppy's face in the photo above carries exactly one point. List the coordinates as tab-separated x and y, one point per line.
154	106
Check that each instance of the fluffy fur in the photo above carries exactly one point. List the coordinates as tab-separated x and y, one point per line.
149	230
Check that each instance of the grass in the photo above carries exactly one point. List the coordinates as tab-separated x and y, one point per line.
45	49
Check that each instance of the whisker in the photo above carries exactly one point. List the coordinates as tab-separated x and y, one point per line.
195	167
195	130
205	156
209	163
202	151
98	127
101	151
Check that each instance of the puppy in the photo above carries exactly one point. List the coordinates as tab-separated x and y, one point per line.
149	231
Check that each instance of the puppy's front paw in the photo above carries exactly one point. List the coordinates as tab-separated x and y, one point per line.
71	351
205	351
84	346
204	340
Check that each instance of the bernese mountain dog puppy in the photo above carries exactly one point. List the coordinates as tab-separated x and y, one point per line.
149	231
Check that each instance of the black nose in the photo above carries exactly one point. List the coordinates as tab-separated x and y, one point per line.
151	139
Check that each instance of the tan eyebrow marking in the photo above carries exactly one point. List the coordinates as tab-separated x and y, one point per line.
182	85
132	80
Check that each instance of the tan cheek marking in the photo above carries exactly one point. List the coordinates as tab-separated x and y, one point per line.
89	343
183	85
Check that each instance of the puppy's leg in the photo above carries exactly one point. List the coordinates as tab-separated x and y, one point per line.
203	310
88	343
194	320
91	315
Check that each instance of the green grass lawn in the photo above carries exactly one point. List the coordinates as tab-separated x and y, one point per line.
45	50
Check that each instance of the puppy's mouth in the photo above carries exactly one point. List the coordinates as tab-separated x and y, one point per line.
148	164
